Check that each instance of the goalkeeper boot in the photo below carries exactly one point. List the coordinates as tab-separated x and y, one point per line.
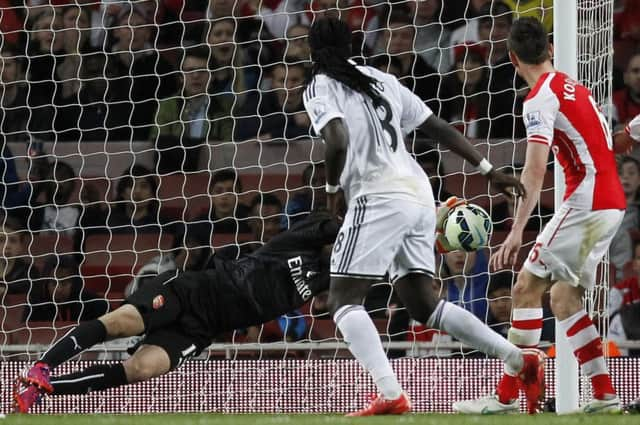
381	406
532	379
488	405
38	375
611	405
25	395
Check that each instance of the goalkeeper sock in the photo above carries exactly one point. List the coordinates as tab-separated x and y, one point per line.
95	378
363	340
83	336
467	328
526	329
587	347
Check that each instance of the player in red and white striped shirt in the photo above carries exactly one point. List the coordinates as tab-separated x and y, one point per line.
561	115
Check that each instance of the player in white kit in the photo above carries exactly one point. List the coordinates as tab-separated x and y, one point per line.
560	115
363	115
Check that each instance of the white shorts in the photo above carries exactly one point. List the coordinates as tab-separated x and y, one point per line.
381	235
572	244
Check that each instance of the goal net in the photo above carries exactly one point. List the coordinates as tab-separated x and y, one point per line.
142	136
595	68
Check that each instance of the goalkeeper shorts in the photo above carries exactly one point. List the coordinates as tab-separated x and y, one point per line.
167	323
178	345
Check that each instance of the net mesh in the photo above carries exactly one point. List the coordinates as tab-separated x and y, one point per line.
595	67
123	121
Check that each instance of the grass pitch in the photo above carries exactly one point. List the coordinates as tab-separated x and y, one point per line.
417	419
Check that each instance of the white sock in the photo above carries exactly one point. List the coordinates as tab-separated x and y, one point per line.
526	327
468	329
361	335
525	331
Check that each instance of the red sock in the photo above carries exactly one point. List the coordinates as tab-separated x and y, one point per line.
508	389
525	331
602	386
587	347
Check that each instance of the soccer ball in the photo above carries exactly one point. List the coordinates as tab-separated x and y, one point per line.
468	227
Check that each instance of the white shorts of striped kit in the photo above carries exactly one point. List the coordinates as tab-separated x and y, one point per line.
572	245
380	235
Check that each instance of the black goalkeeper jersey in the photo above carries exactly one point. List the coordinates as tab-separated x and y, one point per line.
274	280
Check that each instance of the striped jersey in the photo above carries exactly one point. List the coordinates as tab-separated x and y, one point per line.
561	113
377	161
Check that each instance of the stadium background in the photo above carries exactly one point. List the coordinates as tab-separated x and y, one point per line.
112	139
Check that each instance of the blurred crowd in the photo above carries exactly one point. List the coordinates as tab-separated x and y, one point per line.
179	72
184	73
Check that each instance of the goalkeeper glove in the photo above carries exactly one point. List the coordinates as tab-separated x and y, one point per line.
442	244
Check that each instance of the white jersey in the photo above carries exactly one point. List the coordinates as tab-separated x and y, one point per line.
377	161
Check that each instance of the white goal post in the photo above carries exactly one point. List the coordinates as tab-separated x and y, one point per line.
565	58
583	49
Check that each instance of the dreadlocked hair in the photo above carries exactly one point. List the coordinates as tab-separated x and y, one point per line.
330	42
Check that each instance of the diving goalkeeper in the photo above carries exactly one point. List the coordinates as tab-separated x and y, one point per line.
180	313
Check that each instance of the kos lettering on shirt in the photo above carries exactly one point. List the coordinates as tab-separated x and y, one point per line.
561	113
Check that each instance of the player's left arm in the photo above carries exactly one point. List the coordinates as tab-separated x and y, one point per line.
336	138
327	118
539	115
535	168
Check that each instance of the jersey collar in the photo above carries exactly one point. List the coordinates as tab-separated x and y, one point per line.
536	88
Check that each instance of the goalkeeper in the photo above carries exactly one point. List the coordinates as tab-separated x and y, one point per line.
181	313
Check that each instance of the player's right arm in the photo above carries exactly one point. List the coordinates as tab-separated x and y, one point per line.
415	114
443	132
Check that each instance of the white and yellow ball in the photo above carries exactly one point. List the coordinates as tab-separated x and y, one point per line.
468	228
